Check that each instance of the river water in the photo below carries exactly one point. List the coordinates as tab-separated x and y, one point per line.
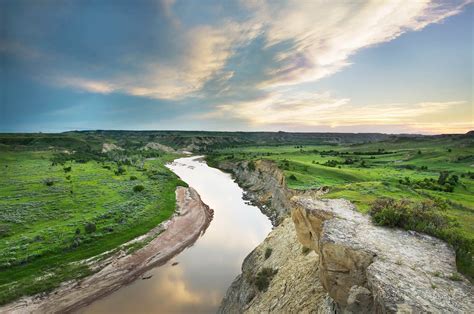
205	270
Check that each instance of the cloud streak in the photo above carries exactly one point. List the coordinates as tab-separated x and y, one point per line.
305	110
324	34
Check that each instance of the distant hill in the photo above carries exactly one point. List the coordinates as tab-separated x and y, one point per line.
200	141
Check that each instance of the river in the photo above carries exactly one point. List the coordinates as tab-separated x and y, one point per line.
204	271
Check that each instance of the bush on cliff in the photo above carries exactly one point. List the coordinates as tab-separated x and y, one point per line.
264	277
268	252
428	217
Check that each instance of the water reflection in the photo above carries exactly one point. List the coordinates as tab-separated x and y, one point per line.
205	270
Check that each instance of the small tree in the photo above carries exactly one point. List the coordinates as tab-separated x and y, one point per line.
49	182
120	170
138	188
90	227
443	176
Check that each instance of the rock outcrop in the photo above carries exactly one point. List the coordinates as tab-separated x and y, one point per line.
362	267
367	268
158	146
294	287
265	186
108	147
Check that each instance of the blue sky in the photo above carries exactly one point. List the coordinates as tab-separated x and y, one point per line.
337	66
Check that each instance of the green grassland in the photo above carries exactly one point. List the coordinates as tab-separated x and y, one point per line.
62	200
53	215
363	173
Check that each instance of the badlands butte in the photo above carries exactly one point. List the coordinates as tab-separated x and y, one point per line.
362	222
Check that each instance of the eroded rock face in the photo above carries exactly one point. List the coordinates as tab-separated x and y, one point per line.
158	146
293	289
265	186
369	268
108	147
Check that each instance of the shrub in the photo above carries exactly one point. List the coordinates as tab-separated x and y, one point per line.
268	252
120	170
4	230
305	250
264	277
138	188
443	176
90	227
251	165
67	169
49	182
428	217
133	178
331	163
293	177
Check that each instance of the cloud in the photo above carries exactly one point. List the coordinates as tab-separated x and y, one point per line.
324	34
302	41
86	85
207	50
295	110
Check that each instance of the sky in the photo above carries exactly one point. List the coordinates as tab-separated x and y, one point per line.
386	66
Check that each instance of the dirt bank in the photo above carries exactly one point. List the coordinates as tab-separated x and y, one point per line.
190	221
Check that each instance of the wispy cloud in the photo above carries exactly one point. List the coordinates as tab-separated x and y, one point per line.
305	40
88	85
324	34
296	110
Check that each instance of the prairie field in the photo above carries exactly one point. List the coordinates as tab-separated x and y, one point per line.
56	213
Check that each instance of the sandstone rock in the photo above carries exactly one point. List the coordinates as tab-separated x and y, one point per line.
265	186
360	300
403	271
158	146
107	147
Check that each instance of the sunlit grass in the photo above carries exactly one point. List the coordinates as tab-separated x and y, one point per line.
44	226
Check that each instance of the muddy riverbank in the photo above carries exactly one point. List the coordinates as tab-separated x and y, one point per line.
168	239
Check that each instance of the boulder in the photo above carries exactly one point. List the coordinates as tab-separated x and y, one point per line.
369	268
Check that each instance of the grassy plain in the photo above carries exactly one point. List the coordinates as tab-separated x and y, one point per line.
402	168
53	216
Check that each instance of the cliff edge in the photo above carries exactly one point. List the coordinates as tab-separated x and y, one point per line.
367	268
277	276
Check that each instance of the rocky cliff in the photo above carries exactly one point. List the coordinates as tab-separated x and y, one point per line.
293	277
265	186
354	266
369	268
